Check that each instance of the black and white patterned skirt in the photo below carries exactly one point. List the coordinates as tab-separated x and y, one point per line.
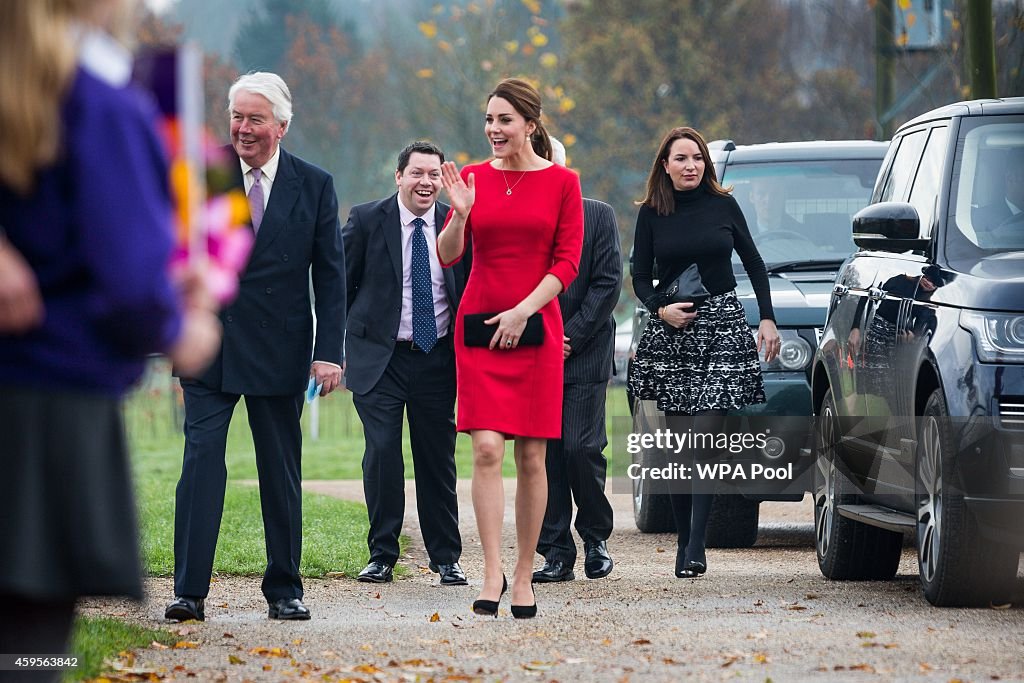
710	364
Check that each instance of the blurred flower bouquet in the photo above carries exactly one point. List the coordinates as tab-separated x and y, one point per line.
211	213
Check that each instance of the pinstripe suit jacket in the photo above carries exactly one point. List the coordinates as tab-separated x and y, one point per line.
588	303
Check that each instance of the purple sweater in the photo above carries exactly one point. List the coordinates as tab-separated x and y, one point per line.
96	231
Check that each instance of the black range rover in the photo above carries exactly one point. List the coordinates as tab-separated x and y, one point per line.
919	378
798	199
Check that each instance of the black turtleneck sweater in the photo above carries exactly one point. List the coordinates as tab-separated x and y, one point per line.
704	229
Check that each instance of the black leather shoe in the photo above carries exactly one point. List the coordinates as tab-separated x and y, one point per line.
289	608
376	572
554	572
598	563
451	574
185	608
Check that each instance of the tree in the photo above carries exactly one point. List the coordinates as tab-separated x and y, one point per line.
447	57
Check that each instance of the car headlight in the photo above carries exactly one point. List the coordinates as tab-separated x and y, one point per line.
999	337
795	353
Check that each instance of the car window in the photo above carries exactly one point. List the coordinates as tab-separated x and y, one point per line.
925	193
987	189
802	210
904	166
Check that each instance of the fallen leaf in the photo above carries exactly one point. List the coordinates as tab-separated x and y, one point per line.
1001	605
730	660
267	667
538	666
812	596
187	630
232	659
269	652
366	669
642	641
297	641
865	634
796	608
924	667
760	658
659	550
435	617
228	635
158	646
186	645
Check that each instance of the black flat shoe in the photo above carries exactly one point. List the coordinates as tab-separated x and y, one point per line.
599	562
289	609
451	574
526	611
554	572
185	609
489	608
376	572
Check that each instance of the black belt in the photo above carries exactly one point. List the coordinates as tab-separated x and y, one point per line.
410	345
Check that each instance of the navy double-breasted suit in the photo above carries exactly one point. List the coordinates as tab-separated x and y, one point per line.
268	345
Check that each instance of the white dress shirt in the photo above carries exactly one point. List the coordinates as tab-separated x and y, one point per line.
269	172
442	313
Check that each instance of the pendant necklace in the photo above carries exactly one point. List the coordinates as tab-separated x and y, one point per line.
508	190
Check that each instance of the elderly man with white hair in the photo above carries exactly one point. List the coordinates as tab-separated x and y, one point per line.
266	354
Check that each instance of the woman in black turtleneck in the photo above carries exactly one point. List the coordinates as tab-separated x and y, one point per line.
701	362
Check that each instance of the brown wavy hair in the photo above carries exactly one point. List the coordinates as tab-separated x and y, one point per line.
659	186
525	99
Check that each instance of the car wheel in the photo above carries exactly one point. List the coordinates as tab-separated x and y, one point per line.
732	522
846	549
959	567
652	511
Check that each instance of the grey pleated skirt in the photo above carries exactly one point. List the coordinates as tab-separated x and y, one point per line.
67	513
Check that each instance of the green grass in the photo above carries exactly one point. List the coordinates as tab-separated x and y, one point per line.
95	640
334	531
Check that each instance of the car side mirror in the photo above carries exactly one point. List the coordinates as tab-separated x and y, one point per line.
889	226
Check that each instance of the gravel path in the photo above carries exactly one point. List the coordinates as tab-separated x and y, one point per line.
761	613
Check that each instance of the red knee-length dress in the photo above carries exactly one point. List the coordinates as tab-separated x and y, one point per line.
516	239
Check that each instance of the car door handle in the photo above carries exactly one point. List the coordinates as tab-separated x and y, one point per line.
840	290
876	294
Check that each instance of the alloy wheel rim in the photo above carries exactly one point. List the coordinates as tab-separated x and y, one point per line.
929	505
825	489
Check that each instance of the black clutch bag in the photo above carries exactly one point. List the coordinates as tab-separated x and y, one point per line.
687	288
476	333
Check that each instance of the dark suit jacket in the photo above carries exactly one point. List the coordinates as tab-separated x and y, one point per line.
268	329
373	267
588	303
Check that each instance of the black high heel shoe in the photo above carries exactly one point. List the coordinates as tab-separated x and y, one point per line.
489	608
526	611
689	569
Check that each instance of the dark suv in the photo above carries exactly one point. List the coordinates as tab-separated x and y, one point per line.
919	378
798	199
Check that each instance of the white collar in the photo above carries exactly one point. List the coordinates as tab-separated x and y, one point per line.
407	216
103	57
268	169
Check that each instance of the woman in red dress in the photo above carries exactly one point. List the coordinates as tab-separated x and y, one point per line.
525	217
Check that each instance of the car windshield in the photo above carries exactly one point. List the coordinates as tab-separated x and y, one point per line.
987	191
802	210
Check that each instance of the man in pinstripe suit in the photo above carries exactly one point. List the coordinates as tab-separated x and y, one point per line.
576	467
